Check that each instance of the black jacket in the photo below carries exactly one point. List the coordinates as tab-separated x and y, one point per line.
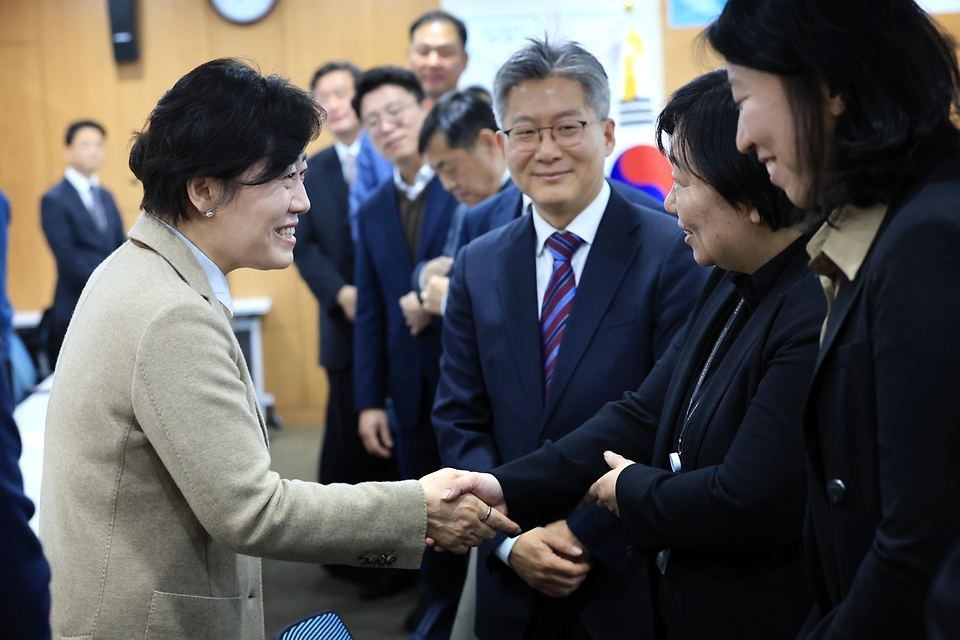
733	517
881	424
323	239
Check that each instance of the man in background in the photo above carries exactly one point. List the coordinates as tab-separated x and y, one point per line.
459	141
81	223
438	52
322	255
396	344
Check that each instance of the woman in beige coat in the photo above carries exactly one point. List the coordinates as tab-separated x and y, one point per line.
157	493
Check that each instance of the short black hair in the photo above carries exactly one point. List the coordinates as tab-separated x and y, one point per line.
481	92
378	76
217	122
336	65
441	16
82	124
894	68
701	120
459	116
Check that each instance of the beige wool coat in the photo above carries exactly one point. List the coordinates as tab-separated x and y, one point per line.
157	497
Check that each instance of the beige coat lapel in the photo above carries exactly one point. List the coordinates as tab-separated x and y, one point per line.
148	231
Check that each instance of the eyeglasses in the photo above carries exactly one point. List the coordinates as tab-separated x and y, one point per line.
391	114
566	133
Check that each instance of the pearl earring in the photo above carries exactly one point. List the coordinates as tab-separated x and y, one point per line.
209	213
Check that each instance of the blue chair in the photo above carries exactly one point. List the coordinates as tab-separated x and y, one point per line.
319	626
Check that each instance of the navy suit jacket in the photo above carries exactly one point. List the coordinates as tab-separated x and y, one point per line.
25	586
322	238
386	356
503	207
636	290
77	245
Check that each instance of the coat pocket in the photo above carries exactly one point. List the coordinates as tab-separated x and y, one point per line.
175	616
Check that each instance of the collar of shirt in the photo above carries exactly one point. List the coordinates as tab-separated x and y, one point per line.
584	225
420	182
843	241
505	178
218	281
344	150
82	184
753	288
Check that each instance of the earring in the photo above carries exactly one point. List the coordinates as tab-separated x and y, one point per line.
209	213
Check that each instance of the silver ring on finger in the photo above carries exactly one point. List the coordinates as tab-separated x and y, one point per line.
489	511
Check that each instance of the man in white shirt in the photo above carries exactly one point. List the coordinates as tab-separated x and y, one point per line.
81	223
548	318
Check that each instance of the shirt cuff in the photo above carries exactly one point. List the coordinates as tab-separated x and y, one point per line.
421	285
503	551
443	304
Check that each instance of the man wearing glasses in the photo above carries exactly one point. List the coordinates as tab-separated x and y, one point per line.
547	319
396	342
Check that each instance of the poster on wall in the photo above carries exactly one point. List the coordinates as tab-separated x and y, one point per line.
627	42
686	14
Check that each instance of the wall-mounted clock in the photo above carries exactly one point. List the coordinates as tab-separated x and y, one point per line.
243	11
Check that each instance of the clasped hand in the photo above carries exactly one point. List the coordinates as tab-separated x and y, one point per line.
604	490
454	522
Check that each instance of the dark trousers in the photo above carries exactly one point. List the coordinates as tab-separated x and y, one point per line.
343	457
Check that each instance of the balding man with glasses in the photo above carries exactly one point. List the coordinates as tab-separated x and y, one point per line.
548	318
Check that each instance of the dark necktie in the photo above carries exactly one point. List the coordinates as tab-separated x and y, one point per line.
557	301
97	211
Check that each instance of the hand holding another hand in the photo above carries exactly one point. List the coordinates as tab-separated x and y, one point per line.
604	490
416	316
457	523
432	296
551	560
439	266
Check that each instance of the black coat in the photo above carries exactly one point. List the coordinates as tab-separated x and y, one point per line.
323	239
733	517
881	423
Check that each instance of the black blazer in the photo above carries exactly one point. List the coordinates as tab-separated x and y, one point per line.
77	245
734	517
881	423
323	236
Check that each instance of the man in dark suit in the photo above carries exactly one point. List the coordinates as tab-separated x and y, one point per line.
459	142
25	588
549	318
321	255
438	52
396	342
81	222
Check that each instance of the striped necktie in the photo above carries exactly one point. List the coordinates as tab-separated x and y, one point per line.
557	301
97	211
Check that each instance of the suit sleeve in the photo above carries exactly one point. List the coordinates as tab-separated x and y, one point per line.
754	500
315	267
542	486
120	236
24	590
75	263
187	393
916	356
461	414
369	329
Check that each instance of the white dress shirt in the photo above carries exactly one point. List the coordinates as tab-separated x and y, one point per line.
83	185
585	226
344	152
218	281
420	182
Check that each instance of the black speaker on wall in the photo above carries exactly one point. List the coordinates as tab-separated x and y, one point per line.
123	30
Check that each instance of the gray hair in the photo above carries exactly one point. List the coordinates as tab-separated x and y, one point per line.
541	59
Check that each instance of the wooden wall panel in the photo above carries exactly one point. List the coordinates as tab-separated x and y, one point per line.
66	71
